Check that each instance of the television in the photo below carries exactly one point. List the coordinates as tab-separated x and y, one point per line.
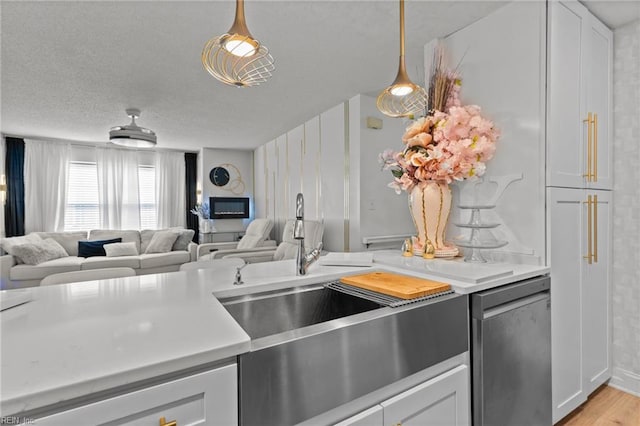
229	207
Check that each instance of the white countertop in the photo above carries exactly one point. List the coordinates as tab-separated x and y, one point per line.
76	339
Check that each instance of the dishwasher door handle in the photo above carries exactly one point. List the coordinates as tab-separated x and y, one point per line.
515	304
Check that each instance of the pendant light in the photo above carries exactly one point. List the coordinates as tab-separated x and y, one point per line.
403	98
237	58
132	135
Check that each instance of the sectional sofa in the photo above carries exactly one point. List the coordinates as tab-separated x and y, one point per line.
14	274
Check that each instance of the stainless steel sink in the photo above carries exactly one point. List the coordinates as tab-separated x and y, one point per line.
314	349
271	314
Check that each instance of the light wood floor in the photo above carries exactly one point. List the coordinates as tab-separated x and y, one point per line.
607	406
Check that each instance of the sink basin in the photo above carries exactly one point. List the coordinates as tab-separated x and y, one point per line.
270	314
314	349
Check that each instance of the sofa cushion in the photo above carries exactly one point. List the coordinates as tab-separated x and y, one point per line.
37	272
99	262
145	238
8	243
108	234
257	231
154	260
162	242
94	248
185	236
68	240
121	249
36	253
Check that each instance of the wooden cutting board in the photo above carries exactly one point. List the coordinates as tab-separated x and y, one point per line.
397	285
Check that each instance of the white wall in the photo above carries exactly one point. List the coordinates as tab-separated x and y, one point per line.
626	208
307	159
243	160
333	160
511	93
379	209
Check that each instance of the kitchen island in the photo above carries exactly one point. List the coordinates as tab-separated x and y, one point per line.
76	344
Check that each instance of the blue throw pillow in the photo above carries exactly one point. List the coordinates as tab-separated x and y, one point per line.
94	248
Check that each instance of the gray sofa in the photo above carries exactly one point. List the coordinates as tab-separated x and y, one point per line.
16	275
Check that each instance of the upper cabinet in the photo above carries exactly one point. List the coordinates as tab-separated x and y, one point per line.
579	71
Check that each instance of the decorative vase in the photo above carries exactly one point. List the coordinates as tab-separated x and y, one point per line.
430	205
206	226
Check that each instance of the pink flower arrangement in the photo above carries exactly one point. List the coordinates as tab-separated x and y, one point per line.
445	146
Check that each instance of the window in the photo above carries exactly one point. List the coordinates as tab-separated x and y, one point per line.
147	196
83	210
83	203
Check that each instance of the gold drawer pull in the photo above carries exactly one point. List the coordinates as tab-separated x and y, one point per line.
595	147
589	255
595	229
588	120
164	422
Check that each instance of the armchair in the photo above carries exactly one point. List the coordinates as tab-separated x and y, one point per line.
255	236
287	249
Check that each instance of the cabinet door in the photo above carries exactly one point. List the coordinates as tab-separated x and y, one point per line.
566	246
443	400
598	70
596	318
202	399
371	417
566	105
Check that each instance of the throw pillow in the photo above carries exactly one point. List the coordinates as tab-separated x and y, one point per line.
34	254
185	236
162	242
121	249
94	248
9	243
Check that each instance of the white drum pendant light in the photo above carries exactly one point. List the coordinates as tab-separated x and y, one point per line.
132	135
236	58
403	98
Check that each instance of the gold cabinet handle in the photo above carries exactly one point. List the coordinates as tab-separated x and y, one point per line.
588	120
595	229
595	147
164	422
589	222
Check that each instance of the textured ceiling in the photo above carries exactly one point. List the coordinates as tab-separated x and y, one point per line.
70	68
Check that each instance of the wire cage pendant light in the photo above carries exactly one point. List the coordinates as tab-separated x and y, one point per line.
402	98
237	58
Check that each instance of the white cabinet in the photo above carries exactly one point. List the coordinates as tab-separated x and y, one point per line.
443	400
371	417
578	253
202	399
579	98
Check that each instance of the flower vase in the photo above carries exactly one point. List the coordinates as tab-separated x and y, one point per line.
430	205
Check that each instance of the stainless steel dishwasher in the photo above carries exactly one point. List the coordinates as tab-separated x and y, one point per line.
511	354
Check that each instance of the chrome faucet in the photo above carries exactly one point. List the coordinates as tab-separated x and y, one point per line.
304	260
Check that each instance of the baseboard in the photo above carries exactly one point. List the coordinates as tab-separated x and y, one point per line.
625	381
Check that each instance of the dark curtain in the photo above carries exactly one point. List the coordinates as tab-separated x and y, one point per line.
14	170
191	170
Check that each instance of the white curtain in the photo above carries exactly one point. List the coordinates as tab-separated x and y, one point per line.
46	170
118	188
170	189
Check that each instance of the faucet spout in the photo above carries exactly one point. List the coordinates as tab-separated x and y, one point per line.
303	260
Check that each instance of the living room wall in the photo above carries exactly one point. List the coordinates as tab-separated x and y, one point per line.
240	166
332	160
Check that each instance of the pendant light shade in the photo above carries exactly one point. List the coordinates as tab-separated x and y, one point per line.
132	135
403	98
236	58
